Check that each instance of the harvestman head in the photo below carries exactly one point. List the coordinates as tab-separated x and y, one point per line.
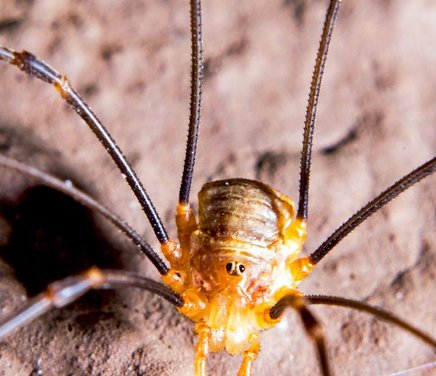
236	267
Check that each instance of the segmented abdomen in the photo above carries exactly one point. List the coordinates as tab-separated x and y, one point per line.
243	210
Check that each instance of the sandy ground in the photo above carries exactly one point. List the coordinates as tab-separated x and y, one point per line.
130	60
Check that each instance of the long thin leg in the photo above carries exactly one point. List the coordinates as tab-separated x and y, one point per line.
37	68
195	103
311	324
63	292
370	208
249	356
201	349
90	203
375	311
309	124
185	218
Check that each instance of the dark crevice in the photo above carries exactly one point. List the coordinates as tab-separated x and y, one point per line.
298	10
91	89
223	168
20	142
212	65
368	123
403	280
270	162
9	25
52	237
108	51
347	139
423	265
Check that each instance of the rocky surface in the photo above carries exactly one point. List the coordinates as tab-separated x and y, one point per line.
130	61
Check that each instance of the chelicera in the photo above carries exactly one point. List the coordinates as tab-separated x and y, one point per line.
236	265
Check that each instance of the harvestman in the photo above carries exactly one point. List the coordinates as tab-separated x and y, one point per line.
235	268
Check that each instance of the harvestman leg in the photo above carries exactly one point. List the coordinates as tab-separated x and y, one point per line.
37	68
195	102
65	291
314	329
185	217
311	324
371	207
87	201
249	356
202	350
375	311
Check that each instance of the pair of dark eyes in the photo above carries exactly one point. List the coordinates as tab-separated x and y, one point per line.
235	268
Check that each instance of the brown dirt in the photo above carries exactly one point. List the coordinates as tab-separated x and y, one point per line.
376	122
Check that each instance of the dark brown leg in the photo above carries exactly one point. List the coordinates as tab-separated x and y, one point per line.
31	65
311	325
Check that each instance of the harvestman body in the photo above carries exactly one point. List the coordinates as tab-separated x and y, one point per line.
236	266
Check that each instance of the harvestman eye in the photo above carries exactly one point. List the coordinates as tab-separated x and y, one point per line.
235	268
187	282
